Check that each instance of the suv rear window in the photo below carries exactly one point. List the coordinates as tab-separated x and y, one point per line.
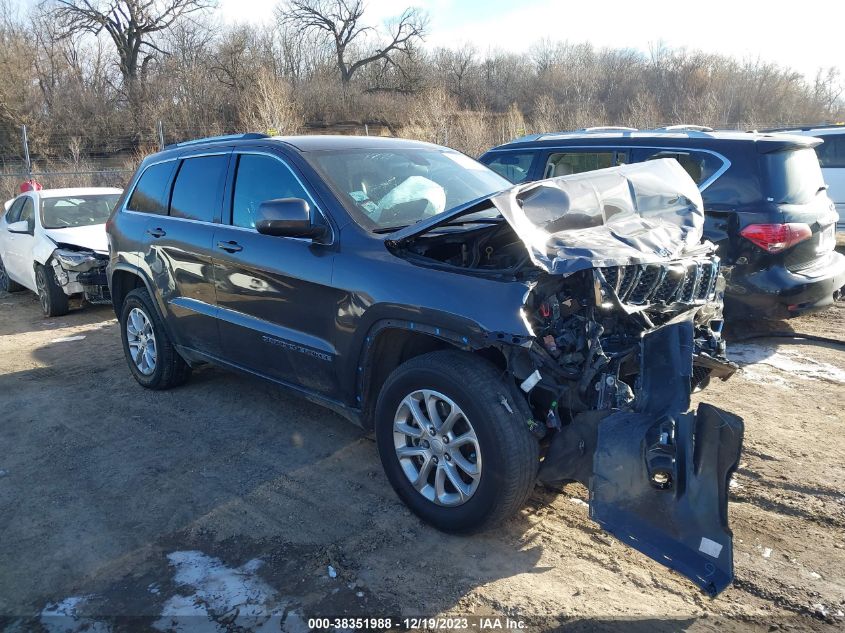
149	194
198	190
831	153
699	165
794	176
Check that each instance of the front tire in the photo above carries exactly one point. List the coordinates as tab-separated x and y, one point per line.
150	354
53	300
453	443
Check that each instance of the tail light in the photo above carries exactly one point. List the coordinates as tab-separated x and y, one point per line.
775	238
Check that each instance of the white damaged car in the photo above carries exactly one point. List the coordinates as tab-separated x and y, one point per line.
54	243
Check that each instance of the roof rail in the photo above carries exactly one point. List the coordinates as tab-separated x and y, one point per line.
249	136
683	127
608	128
805	128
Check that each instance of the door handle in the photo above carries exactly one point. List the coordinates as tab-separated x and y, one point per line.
230	247
156	232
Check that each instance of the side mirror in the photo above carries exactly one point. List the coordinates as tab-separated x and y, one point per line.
287	217
21	226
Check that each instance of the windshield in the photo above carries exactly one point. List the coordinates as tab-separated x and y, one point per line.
794	176
61	213
386	189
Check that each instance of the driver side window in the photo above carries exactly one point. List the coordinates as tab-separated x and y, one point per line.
260	178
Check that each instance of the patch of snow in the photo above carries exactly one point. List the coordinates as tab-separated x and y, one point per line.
579	502
219	598
332	572
767	552
64	617
757	362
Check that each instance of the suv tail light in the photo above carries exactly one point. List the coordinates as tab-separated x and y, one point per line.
775	238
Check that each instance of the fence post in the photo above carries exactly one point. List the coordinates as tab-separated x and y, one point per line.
26	153
366	129
160	136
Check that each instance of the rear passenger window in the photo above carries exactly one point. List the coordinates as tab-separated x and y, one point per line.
149	195
198	190
831	153
511	165
699	165
261	178
565	164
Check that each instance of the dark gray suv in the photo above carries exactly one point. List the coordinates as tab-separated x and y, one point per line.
488	334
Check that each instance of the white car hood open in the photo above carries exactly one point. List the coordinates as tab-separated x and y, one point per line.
93	237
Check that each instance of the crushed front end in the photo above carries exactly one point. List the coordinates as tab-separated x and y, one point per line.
81	272
627	320
621	319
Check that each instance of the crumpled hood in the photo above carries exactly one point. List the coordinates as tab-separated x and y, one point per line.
93	237
633	214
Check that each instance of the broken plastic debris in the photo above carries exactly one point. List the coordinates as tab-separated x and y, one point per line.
332	572
68	339
529	383
767	552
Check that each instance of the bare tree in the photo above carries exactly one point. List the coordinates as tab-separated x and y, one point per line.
340	21
131	25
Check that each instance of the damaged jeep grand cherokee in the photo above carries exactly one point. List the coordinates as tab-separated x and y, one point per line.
490	335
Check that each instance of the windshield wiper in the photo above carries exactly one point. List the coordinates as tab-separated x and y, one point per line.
389	229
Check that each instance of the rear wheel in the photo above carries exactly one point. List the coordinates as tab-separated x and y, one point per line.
452	443
6	283
150	354
53	300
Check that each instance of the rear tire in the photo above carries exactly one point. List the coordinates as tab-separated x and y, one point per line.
502	450
150	354
6	284
53	300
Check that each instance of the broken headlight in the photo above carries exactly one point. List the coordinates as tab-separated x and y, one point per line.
77	261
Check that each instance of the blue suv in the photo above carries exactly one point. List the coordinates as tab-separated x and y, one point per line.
765	199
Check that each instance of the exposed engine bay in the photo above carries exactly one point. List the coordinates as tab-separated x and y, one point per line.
623	311
588	326
81	272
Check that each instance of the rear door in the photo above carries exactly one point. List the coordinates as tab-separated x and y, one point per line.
277	306
179	249
704	167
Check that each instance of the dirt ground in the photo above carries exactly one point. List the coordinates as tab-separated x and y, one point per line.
234	503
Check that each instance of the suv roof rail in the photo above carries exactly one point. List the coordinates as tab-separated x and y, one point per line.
249	136
608	128
805	128
688	127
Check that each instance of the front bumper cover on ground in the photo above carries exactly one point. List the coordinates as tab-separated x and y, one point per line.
658	475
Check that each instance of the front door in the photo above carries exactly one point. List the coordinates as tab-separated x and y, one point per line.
277	306
19	247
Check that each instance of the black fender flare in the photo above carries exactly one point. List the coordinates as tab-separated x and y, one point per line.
148	284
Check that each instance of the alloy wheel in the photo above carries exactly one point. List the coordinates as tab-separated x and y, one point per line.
437	448
41	286
142	341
